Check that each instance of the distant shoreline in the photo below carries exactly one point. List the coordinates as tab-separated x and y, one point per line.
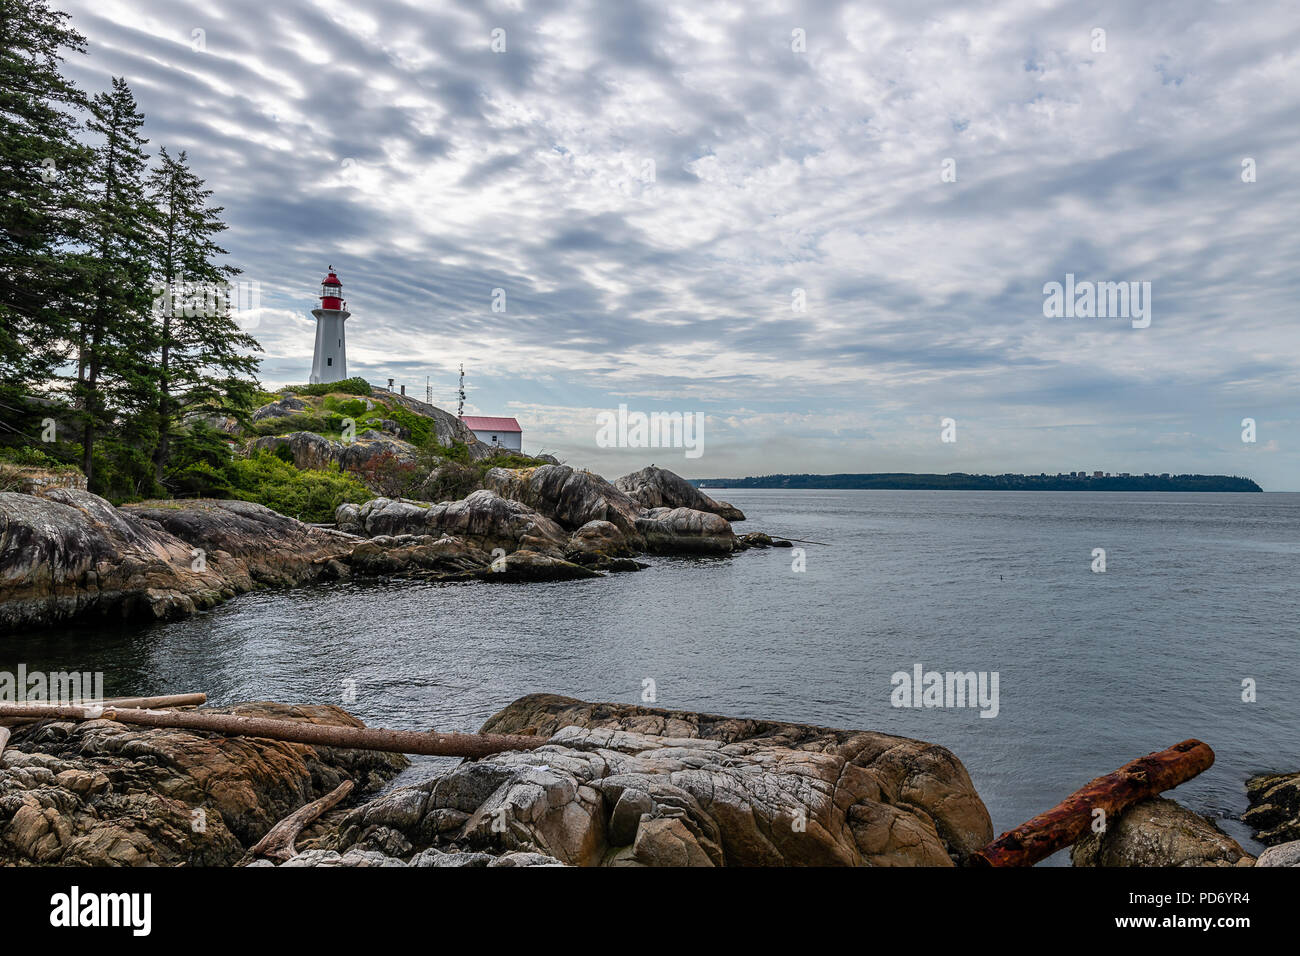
958	481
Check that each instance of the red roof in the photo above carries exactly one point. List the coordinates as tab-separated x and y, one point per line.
478	423
331	279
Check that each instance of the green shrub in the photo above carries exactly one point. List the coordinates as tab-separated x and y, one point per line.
307	495
327	425
419	427
348	386
30	456
200	479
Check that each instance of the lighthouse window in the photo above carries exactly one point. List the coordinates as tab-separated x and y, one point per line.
329	361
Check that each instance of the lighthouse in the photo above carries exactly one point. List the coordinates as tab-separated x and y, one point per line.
330	363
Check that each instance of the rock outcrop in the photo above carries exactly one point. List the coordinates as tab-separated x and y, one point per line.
569	496
68	553
585	504
309	450
1274	812
684	531
248	544
1159	832
483	518
653	487
283	407
620	785
1284	854
446	427
100	793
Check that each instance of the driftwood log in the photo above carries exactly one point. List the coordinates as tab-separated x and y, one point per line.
278	843
1060	826
169	700
4	739
324	735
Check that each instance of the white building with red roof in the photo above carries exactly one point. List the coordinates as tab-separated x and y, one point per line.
502	432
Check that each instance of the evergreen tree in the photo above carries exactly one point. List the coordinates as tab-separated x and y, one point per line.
115	333
203	362
42	169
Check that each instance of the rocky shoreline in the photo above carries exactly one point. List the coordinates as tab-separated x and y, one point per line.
614	785
66	554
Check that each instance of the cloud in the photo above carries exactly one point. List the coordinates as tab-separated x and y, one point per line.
649	183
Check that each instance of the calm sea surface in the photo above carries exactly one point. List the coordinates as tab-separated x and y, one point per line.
1094	669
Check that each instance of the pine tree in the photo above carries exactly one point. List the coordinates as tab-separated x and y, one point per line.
42	169
115	334
203	362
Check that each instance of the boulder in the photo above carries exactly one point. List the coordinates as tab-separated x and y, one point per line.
1284	854
100	793
600	537
653	487
1159	832
684	531
619	785
282	407
484	519
572	498
226	424
347	518
528	565
447	556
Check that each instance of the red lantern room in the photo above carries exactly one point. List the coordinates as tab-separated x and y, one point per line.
331	292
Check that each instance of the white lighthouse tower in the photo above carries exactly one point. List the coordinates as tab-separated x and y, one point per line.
330	363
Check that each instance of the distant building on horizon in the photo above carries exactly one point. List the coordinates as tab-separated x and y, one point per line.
330	360
502	432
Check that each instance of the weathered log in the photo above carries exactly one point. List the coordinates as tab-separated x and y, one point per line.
278	842
142	703
4	739
324	735
1060	826
149	703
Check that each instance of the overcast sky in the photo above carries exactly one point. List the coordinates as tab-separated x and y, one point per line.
650	183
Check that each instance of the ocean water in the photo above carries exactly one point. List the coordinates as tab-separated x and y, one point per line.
1094	669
